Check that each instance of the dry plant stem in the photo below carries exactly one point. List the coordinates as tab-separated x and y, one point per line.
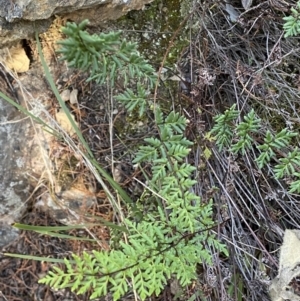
111	125
134	292
7	71
265	78
13	121
241	215
241	182
3	296
239	248
102	243
148	188
94	171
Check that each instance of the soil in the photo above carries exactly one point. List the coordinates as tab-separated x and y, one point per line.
219	63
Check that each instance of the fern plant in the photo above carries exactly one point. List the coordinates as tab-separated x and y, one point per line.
272	143
287	165
105	56
224	124
227	129
134	101
171	239
295	185
292	22
244	130
162	245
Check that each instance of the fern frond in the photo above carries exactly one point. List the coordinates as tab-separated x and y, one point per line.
145	153
223	128
155	249
175	122
286	166
134	101
292	23
295	185
102	54
248	126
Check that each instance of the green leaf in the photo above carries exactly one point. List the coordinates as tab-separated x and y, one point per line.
153	250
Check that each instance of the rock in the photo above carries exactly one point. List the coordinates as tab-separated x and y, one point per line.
21	160
69	207
7	233
24	156
65	95
73	97
286	286
20	19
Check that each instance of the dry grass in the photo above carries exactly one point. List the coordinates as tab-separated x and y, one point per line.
250	64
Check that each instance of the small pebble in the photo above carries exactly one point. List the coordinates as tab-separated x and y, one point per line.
73	97
65	95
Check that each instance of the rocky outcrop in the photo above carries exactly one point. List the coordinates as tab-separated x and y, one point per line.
19	19
24	147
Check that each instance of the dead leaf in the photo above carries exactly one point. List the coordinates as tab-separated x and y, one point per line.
247	4
65	95
73	97
207	153
233	13
64	122
283	286
17	59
